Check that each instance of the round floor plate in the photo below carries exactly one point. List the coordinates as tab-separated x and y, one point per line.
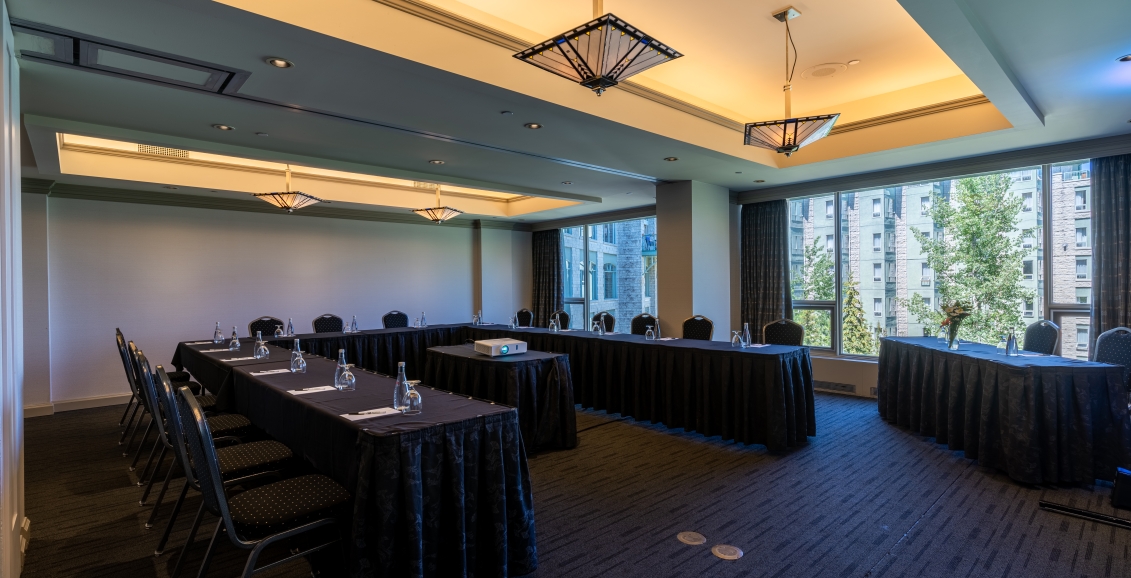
692	538
727	552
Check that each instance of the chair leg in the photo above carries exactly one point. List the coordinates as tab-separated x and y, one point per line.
137	427
161	495
131	426
188	543
141	444
153	474
141	476
252	559
172	519
129	405
211	549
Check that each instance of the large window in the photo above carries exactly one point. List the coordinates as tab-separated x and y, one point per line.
1015	245
611	267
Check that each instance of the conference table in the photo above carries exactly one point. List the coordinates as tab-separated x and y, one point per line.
1042	419
211	364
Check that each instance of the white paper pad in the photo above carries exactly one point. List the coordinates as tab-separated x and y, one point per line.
270	371
372	413
198	343
215	350
666	338
239	358
758	345
310	389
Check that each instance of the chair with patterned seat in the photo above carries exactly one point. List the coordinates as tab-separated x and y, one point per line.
1114	347
266	325
525	317
1042	337
263	515
606	319
394	318
327	323
783	332
698	327
640	324
135	402
563	318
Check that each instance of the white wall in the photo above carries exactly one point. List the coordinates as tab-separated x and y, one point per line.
167	274
37	339
507	273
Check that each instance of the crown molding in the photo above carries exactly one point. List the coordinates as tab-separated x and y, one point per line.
975	100
606	217
104	194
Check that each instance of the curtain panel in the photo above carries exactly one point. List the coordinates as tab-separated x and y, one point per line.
547	294
766	292
1111	255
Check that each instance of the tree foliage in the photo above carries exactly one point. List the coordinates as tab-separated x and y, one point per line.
858	336
818	284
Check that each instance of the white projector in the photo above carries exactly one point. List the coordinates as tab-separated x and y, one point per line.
497	347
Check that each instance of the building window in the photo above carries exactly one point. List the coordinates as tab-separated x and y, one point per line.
609	233
828	209
1027	239
877	242
593	232
1082	269
795	243
830	245
1083	295
568	281
592	280
926	277
1028	308
876	272
878	306
1082	337
1082	198
927	302
610	281
877	207
1027	269
1083	240
1027	202
924	206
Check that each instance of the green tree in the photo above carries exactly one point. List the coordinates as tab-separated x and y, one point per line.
817	284
978	261
859	337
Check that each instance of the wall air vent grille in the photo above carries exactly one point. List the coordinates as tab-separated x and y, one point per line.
162	151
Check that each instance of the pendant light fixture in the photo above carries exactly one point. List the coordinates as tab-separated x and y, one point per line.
790	134
439	213
600	53
289	200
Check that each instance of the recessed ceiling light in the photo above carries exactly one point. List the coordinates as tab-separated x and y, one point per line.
223	127
280	62
532	125
505	112
738	172
261	134
671	159
1126	58
759	181
629	193
853	62
436	162
171	187
567	182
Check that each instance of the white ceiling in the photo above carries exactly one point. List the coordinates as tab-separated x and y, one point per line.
1053	75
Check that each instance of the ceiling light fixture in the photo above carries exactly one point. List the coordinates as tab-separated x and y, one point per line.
567	182
759	181
532	125
289	200
261	134
790	134
280	62
439	213
170	187
600	53
436	162
671	159
505	112
223	127
853	62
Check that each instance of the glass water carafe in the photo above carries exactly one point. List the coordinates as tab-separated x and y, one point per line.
234	344
298	364
218	335
261	351
411	404
353	324
341	366
290	327
746	338
423	320
400	388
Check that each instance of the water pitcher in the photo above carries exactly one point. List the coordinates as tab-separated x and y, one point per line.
234	344
218	335
400	389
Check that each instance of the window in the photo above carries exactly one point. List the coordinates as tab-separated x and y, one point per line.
876	272
829	206
830	245
813	272
877	207
1027	269
924	206
926	278
1082	270
1082	337
878	306
795	244
609	233
1027	202
593	233
610	280
1082	198
927	302
1070	250
1083	240
592	275
1028	308
1083	295
877	242
1027	239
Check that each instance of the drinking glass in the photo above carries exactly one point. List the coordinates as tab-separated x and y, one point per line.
278	331
412	402
416	322
346	381
942	335
1002	344
298	364
736	340
650	335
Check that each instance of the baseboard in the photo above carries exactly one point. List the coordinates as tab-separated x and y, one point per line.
91	402
39	410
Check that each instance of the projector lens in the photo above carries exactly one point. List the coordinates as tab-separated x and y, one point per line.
505	349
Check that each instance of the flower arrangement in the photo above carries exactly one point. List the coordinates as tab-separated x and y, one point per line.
954	314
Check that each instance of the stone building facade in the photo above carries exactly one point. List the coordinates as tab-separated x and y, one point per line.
612	266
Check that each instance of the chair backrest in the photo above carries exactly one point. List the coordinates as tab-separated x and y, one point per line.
126	363
327	323
394	318
525	317
610	321
783	332
1042	337
174	428
266	325
698	327
563	318
203	452
640	323
145	379
1114	346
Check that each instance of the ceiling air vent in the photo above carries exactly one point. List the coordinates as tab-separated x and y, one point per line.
162	151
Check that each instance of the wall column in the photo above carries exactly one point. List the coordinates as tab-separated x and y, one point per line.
693	224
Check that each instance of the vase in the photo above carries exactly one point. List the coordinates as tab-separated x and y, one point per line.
952	335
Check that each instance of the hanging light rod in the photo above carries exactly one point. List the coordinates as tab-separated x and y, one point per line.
788	135
289	200
439	213
599	54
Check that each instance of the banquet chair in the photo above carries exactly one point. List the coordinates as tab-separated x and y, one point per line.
327	323
1042	337
525	317
260	516
1114	346
783	332
698	327
394	318
639	324
135	400
610	322
563	318
265	324
142	402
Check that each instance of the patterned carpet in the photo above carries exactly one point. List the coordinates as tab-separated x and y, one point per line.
863	498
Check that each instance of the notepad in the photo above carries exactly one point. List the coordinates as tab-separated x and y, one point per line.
239	358
667	338
758	345
310	389
199	342
371	413
215	350
270	371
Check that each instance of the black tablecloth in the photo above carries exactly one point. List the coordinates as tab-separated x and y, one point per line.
536	383
380	349
212	370
443	493
760	395
1041	419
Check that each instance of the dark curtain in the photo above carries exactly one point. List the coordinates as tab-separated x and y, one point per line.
765	265
547	249
1111	222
